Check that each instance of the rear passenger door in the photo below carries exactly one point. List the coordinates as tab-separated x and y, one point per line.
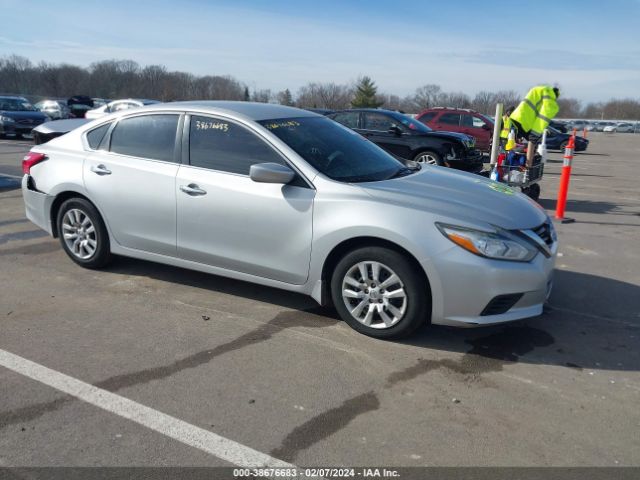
130	175
448	122
227	220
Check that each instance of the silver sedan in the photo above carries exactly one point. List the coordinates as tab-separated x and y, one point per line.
291	199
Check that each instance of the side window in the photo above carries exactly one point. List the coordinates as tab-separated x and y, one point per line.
378	121
95	136
450	119
227	147
348	119
427	117
146	136
478	122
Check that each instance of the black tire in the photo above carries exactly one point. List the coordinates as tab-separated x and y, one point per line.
563	145
102	254
436	156
418	301
533	191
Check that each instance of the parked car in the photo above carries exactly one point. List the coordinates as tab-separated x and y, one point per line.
407	138
54	109
56	128
295	201
98	102
118	105
622	127
79	105
460	120
556	140
321	111
558	125
600	126
18	116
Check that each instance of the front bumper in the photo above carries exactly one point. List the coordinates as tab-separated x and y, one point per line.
468	284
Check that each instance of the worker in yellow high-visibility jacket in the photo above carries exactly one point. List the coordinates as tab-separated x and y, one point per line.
506	125
535	112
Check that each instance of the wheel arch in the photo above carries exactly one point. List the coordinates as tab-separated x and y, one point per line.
57	203
346	246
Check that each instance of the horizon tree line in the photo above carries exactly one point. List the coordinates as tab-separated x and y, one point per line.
126	78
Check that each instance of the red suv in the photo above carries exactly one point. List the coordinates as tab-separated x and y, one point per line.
460	120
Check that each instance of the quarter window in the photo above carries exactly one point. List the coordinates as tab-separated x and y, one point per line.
225	146
95	136
146	136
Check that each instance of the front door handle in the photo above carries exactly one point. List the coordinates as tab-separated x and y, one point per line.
100	170
192	189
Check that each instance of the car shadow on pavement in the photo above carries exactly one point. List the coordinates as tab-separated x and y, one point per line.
586	206
591	322
214	283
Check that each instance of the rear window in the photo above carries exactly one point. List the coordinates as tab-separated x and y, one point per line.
95	136
146	136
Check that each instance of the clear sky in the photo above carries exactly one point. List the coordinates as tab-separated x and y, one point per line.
590	48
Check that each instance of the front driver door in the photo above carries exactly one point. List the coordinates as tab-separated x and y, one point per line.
376	128
227	220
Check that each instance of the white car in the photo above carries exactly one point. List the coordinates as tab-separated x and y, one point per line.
620	127
118	105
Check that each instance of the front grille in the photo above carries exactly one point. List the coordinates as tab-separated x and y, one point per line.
28	121
544	232
501	304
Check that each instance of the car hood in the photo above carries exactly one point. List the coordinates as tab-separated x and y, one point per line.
460	196
23	115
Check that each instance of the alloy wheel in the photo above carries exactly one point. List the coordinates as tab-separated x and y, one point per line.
427	159
374	295
79	234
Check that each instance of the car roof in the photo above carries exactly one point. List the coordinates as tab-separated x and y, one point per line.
250	110
12	97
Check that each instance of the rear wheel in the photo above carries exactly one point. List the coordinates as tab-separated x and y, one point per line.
380	293
532	191
429	157
83	234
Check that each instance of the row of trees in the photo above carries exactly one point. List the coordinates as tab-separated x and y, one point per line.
126	78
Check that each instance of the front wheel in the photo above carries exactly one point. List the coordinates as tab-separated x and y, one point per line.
379	293
83	234
429	157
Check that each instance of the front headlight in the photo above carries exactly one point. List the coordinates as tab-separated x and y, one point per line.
4	119
499	245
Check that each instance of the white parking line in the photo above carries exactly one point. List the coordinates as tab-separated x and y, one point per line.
209	442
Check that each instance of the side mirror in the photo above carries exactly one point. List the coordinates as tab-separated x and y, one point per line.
395	129
486	127
271	173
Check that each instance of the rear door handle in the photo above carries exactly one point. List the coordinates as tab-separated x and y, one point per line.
100	170
192	189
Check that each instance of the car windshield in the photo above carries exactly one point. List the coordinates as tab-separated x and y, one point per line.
16	105
334	150
411	123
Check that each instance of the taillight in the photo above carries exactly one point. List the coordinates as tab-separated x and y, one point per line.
31	159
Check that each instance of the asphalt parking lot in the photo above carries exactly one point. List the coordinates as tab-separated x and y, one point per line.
271	371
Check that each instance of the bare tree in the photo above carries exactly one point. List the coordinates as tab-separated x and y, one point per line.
325	95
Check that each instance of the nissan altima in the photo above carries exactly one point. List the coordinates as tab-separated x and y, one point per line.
288	198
